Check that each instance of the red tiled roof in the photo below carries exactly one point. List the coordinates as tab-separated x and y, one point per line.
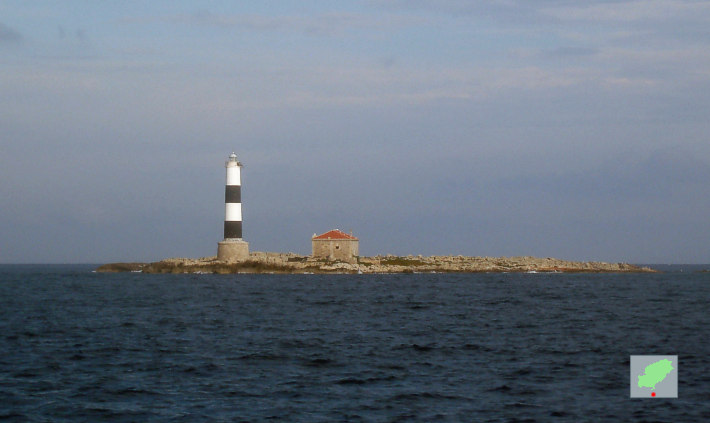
335	234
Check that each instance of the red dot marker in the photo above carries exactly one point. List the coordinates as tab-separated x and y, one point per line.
653	394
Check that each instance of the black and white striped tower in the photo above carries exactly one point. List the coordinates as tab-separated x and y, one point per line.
233	247
233	199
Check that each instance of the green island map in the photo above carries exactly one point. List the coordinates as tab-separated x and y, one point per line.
655	373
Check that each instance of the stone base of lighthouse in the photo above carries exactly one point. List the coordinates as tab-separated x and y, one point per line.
232	250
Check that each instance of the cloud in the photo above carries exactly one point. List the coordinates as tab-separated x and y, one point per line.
629	11
567	52
608	21
9	35
519	10
667	173
328	24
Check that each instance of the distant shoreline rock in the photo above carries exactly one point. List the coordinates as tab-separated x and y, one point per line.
290	263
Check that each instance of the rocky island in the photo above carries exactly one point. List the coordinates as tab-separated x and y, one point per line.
261	262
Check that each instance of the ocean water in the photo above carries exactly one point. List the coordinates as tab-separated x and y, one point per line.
77	346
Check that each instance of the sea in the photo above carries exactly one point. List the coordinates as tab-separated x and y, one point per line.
80	346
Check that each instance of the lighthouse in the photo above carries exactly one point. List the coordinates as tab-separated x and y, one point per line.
233	247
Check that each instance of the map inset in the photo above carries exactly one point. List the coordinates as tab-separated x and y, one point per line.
654	376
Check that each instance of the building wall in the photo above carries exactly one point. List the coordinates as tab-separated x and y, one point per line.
232	250
336	249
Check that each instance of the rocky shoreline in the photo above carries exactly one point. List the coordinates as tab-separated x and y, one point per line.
260	262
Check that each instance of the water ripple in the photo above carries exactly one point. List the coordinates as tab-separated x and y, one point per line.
77	346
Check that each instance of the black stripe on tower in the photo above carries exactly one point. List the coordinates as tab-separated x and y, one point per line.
233	194
232	229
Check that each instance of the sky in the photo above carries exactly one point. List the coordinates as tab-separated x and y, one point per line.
554	128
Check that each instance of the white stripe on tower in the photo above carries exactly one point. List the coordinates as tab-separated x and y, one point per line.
233	199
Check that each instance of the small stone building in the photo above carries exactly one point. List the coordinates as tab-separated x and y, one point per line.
336	245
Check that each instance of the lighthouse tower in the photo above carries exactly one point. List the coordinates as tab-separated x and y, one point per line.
233	248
